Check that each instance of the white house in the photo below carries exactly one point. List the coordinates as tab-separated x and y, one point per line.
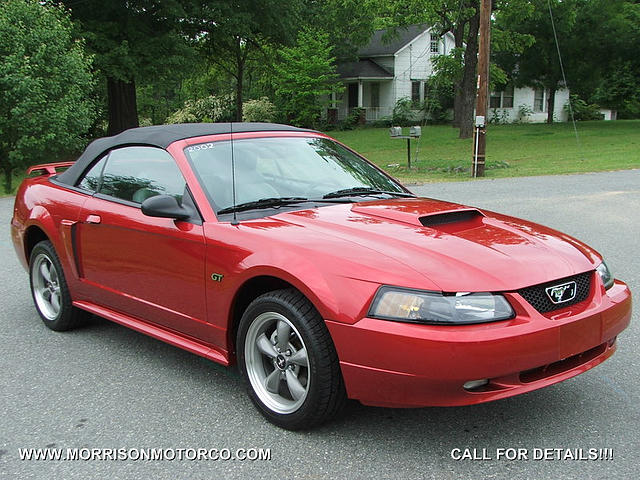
526	105
392	67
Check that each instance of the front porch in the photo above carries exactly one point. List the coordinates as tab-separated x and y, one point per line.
368	85
374	96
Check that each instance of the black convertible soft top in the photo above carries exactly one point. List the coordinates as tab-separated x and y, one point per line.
160	136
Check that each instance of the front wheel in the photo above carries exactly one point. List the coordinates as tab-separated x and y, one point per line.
287	356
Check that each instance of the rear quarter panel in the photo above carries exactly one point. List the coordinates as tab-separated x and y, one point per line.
54	210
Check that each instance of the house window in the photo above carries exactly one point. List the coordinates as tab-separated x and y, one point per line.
502	98
375	95
415	93
538	100
495	100
507	97
434	43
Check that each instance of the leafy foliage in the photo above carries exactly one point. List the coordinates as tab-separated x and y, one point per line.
524	112
304	75
349	23
620	89
261	110
402	115
538	65
440	88
236	35
133	42
45	85
583	110
354	119
209	109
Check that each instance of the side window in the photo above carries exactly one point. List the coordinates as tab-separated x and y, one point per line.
137	173
91	179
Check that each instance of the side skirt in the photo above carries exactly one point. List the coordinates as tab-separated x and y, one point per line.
167	336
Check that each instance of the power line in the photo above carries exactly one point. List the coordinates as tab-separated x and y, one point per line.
564	78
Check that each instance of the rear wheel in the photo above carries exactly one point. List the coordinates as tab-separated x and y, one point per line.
49	289
288	358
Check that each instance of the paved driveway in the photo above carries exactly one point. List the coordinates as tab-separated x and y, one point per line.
105	386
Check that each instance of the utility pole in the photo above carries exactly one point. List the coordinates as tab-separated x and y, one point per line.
480	130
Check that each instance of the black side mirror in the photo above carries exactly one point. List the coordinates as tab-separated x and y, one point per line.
164	206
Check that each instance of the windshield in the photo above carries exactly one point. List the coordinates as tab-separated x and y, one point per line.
267	168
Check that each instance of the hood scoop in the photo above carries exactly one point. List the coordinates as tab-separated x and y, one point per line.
453	220
425	212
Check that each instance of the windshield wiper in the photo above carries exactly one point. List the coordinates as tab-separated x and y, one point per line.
355	191
275	202
263	203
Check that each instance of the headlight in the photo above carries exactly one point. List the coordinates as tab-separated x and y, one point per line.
419	306
605	275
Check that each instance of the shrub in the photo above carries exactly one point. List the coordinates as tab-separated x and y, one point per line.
499	116
439	99
261	110
524	112
210	109
402	114
353	119
583	110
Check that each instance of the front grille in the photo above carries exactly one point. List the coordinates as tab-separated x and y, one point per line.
537	296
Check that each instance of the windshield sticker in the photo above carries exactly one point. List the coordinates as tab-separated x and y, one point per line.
202	146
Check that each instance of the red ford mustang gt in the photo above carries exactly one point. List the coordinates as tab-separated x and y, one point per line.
322	277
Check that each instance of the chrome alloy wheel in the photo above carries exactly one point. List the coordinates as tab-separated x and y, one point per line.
277	363
46	286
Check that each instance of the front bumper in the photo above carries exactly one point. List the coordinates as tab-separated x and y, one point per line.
396	364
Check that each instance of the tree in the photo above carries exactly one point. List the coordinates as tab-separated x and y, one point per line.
349	23
305	74
45	85
462	19
539	65
610	31
234	34
132	41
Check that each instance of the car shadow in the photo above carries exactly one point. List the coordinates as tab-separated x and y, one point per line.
509	421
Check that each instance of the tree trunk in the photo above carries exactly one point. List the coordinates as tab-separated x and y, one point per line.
241	58
458	36
7	180
240	74
551	104
123	109
468	84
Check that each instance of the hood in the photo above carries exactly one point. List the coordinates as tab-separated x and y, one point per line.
451	246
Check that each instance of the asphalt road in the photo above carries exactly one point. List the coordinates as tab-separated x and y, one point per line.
106	386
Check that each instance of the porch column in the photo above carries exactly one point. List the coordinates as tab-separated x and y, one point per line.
360	94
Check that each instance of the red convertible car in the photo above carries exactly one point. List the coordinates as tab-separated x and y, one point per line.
284	251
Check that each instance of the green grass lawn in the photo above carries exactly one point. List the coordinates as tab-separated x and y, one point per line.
512	150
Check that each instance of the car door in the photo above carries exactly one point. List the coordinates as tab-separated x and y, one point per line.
149	268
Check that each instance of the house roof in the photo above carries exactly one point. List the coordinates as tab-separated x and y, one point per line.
159	136
363	69
388	42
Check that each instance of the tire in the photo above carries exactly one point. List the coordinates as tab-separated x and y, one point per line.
295	384
50	291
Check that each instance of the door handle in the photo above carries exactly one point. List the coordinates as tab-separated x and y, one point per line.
93	219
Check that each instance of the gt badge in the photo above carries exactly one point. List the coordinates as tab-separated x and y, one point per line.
216	277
